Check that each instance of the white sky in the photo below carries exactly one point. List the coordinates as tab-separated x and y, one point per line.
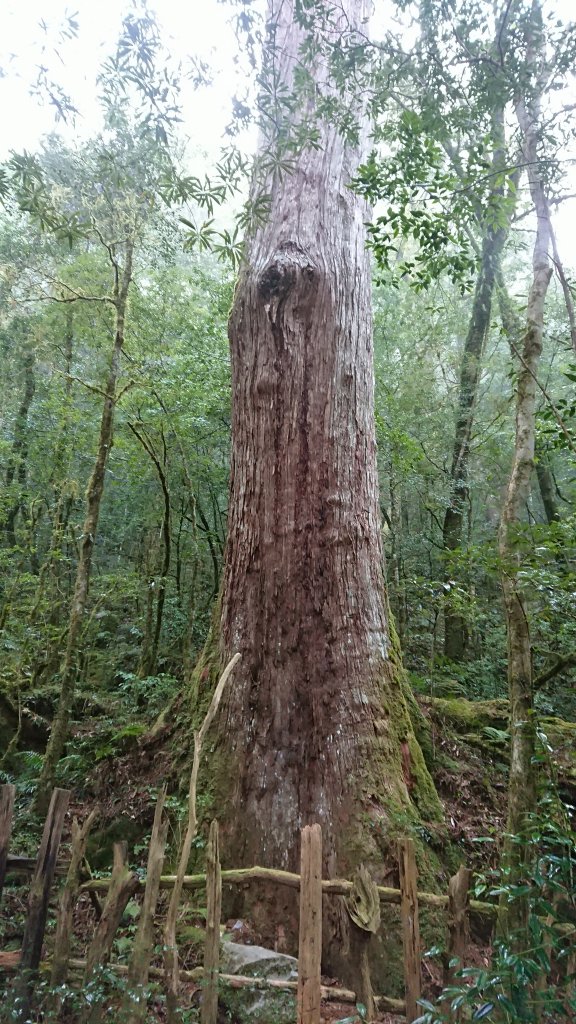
188	27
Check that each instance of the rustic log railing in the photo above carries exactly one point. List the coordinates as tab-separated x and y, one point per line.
123	884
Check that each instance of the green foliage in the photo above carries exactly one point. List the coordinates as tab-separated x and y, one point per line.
120	741
106	988
528	983
557	420
418	189
26	766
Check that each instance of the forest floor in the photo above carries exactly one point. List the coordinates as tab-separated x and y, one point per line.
467	747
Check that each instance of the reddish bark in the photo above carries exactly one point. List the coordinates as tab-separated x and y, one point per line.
312	726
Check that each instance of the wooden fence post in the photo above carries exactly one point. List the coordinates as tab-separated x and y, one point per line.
310	943
136	997
458	902
38	902
7	794
209	1011
410	927
123	885
67	903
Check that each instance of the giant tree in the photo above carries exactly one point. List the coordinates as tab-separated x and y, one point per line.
315	725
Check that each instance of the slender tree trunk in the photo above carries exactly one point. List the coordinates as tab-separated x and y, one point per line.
49	598
546	484
63	489
513	328
522	781
191	585
157	585
17	468
210	540
455	631
314	727
70	664
149	548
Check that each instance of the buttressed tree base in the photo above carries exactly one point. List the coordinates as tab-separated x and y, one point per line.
314	727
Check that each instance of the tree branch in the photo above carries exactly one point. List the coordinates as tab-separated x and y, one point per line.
554	670
559	420
567	291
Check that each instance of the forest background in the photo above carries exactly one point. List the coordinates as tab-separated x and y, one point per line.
118	252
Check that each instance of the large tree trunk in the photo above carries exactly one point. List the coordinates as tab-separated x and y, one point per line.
314	727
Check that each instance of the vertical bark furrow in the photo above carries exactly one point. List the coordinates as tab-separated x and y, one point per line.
314	713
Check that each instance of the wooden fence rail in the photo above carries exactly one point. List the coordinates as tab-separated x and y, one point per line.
123	884
232	876
331	886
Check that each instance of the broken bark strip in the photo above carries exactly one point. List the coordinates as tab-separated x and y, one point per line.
139	968
38	904
410	927
332	886
68	901
209	1011
7	794
123	885
363	908
359	946
310	942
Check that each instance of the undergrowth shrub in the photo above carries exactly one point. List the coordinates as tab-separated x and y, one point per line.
532	977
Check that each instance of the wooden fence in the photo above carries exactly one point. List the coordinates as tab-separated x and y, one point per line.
363	901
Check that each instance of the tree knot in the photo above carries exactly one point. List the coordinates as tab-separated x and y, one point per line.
289	267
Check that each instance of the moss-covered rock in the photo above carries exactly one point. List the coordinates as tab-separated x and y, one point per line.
468	715
483	724
258	1006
